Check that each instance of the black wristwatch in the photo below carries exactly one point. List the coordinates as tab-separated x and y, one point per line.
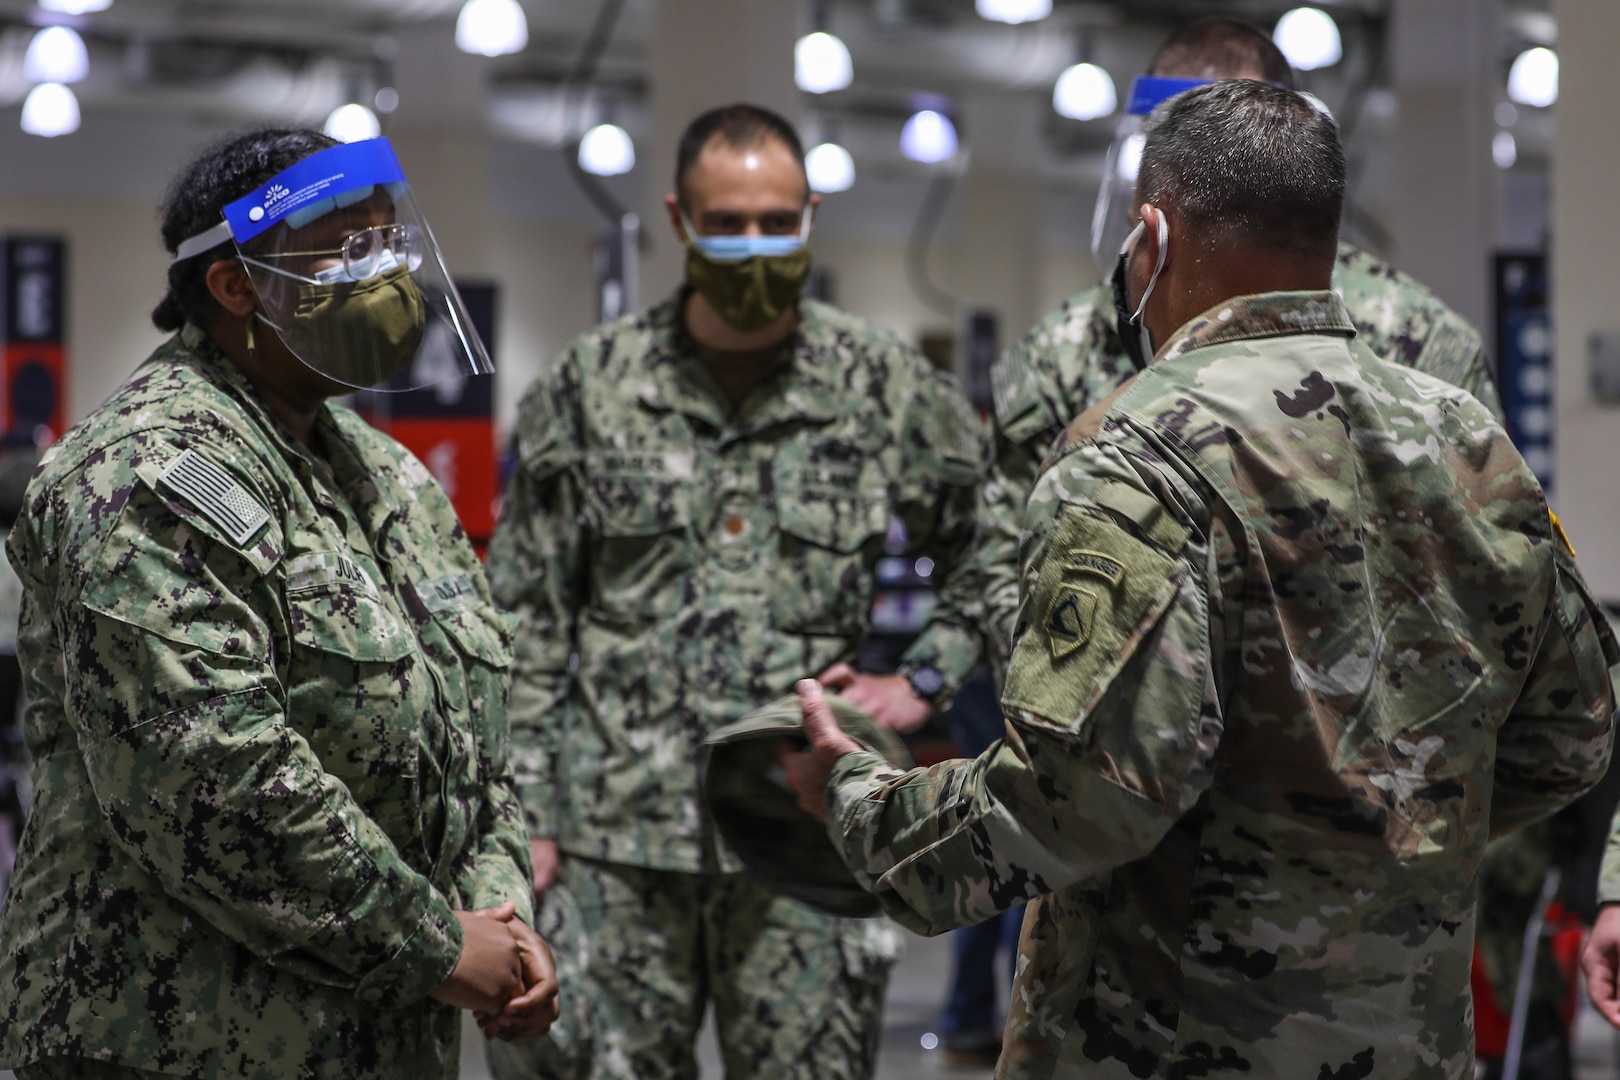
926	682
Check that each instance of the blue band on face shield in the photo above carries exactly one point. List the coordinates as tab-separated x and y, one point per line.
1148	91
336	177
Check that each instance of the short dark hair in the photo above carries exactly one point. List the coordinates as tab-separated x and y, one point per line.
1245	161
223	172
1220	47
739	126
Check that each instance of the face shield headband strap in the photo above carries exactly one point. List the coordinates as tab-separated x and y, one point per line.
334	178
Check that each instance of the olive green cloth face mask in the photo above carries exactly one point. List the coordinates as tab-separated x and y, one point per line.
360	333
748	294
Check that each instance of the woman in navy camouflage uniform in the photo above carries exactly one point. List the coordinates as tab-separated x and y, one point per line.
273	831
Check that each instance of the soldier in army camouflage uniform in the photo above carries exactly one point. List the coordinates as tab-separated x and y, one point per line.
1073	358
1298	636
702	494
266	709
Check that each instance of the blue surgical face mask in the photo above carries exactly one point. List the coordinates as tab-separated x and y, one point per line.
338	275
739	248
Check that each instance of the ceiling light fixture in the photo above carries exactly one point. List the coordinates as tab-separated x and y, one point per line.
1084	92
50	110
1309	38
830	168
75	7
1504	149
821	63
1533	79
928	137
606	150
352	123
56	55
1013	11
491	28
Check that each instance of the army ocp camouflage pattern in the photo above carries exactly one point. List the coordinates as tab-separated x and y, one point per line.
1072	359
1298	636
267	714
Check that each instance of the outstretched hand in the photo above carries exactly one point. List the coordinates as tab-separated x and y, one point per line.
807	772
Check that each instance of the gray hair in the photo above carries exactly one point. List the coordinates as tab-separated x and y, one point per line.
1243	161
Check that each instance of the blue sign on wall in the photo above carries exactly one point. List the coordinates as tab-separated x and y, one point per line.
1524	344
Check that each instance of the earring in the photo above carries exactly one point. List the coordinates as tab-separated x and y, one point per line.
252	346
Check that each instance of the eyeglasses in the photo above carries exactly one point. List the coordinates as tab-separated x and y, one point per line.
366	253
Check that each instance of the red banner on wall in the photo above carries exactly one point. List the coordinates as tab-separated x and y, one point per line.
34	300
34	375
460	453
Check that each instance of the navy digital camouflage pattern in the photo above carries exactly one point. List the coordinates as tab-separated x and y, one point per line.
1298	636
1072	359
267	714
695	561
698	564
797	994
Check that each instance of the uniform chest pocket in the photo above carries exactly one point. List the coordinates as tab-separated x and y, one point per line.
828	544
642	561
475	678
355	689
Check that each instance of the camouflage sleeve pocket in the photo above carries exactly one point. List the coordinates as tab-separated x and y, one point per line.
158	572
1099	593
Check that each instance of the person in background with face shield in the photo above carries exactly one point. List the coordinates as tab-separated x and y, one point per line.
702	494
1298	637
1081	352
273	831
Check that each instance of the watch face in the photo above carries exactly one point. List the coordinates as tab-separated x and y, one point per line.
927	681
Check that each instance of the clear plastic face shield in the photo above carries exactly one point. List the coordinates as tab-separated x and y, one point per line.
1114	217
347	273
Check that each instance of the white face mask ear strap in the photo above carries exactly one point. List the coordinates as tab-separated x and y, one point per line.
1164	245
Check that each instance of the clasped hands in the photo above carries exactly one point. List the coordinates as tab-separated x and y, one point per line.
505	975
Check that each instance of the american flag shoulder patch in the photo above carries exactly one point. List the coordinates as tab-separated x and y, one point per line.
216	494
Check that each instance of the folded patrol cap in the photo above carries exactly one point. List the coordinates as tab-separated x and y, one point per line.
755	810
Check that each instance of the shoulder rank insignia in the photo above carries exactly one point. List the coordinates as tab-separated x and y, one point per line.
216	494
1558	528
